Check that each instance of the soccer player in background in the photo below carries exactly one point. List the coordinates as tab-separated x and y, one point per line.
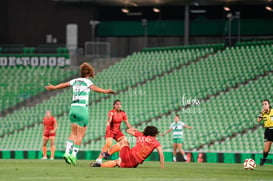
130	158
78	113
177	128
266	116
115	117
49	133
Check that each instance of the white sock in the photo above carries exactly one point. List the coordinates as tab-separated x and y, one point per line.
185	157
98	160
174	158
69	146
75	150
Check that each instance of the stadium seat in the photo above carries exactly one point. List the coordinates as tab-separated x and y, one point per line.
220	79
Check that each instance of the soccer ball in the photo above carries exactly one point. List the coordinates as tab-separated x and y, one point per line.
249	164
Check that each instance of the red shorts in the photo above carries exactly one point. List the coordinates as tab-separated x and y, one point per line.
47	135
111	134
127	159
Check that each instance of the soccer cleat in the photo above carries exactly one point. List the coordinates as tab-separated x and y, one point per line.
51	158
185	158
73	160
44	158
262	162
94	165
105	155
67	158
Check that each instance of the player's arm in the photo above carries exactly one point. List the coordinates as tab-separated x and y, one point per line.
169	130
55	126
59	86
127	124
100	90
109	120
260	117
132	131
186	126
161	156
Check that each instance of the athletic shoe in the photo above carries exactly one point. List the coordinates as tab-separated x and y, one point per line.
67	158
44	158
262	162
185	158
94	165
51	158
105	155
73	160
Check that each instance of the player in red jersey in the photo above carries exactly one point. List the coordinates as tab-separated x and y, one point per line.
115	117
49	129
145	144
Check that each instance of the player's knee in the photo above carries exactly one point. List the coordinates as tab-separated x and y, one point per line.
108	143
78	140
72	136
44	142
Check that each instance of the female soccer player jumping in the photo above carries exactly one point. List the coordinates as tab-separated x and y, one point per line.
78	111
115	117
177	128
266	116
145	144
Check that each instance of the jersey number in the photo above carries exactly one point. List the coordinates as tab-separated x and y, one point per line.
76	93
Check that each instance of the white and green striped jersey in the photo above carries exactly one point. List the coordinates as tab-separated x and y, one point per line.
81	91
177	129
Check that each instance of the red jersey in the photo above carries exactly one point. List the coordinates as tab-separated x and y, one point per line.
49	123
117	118
144	146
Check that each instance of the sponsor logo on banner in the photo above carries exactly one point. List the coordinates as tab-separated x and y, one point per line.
34	61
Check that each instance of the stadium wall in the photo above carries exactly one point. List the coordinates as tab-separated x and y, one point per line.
198	27
37	60
195	156
28	22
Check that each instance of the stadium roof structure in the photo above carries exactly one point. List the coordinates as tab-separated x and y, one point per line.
138	3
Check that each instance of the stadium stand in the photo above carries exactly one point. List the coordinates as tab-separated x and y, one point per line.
27	82
151	96
41	49
35	114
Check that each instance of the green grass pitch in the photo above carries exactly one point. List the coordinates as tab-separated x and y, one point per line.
29	170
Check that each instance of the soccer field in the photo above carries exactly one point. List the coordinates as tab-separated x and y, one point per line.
58	170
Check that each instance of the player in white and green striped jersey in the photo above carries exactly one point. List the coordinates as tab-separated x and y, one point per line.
177	128
78	113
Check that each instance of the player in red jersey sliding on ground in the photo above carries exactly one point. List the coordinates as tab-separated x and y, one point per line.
130	158
115	117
